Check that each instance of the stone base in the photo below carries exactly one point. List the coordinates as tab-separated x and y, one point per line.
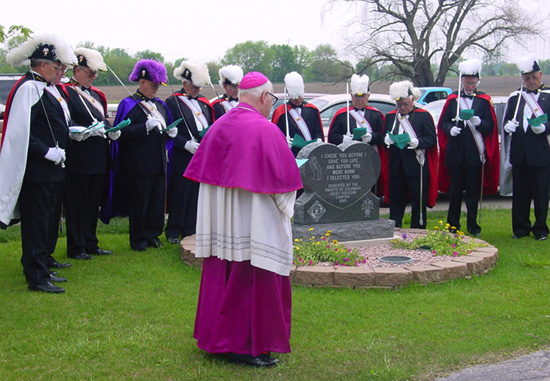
347	231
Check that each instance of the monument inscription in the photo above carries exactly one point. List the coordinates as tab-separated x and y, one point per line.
337	183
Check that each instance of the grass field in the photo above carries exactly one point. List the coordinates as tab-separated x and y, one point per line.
131	316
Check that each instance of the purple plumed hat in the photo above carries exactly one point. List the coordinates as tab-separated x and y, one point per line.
151	70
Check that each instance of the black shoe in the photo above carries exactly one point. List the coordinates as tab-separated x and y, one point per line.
517	236
83	256
264	360
475	234
139	249
100	252
47	287
57	265
57	279
540	237
174	241
53	272
154	242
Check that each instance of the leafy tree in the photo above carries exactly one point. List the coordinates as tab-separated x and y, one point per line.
414	34
284	61
251	56
10	38
326	67
213	69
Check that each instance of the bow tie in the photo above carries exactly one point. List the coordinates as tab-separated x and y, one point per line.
190	97
532	91
360	109
230	99
84	88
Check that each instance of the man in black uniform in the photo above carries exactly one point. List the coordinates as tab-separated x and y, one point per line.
142	154
412	162
468	142
230	77
32	155
525	120
87	154
297	117
197	116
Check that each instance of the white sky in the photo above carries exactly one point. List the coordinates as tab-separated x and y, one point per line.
203	30
198	30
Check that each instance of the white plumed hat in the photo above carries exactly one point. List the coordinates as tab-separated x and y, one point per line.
43	46
230	75
294	84
471	68
195	72
528	64
404	89
90	58
360	84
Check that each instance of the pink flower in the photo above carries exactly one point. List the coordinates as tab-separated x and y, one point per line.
346	259
328	246
453	245
349	250
455	254
434	252
404	236
310	262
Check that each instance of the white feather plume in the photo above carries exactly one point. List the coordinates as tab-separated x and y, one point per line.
19	56
94	60
199	73
470	67
404	89
232	73
359	84
294	84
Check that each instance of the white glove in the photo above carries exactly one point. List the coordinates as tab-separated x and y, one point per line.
388	141
510	127
98	132
455	131
289	142
475	120
538	129
191	146
319	140
57	155
114	135
172	132
347	138
413	143
366	138
77	133
152	123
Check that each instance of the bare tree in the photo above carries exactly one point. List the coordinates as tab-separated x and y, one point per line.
422	39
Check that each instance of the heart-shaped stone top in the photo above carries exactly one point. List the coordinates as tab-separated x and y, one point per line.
339	175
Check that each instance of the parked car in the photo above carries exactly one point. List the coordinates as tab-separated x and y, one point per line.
328	105
432	94
6	83
307	97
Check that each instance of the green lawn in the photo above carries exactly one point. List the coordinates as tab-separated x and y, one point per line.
131	316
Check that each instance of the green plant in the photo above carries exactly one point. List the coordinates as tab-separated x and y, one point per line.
315	250
442	240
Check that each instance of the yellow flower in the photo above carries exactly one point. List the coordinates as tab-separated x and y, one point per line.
447	226
440	222
310	229
335	242
329	231
296	240
328	234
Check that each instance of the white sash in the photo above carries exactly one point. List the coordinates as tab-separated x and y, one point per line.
408	128
531	101
97	105
466	104
301	123
227	105
154	112
55	92
361	121
200	119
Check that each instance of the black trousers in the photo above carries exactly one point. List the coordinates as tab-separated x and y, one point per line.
465	183
40	206
401	186
530	183
182	211
82	199
146	215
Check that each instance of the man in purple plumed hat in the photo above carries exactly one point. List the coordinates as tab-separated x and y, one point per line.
248	180
141	155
